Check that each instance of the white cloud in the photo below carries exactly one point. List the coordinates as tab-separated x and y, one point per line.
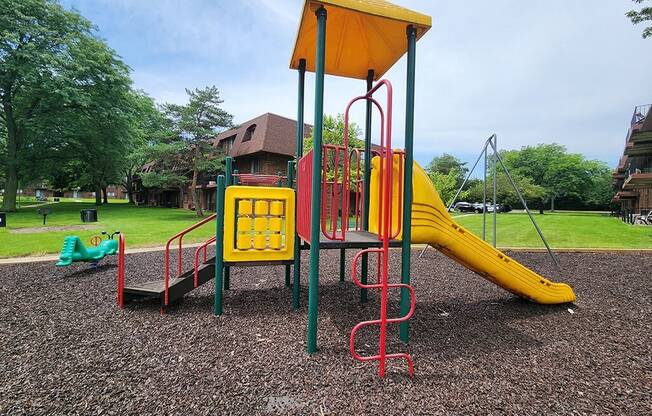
569	72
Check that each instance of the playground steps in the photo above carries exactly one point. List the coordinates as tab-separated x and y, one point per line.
177	287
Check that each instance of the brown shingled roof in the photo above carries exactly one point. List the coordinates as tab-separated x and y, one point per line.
272	133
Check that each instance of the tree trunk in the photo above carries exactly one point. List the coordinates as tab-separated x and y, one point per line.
11	171
552	204
195	197
105	195
98	196
129	187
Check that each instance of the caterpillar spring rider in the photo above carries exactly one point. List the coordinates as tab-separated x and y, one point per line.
367	199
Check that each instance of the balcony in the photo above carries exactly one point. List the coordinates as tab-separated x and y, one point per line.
640	131
638	177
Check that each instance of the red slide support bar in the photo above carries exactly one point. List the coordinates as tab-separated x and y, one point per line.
121	270
179	236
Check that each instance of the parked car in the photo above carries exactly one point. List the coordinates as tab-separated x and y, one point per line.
464	207
499	208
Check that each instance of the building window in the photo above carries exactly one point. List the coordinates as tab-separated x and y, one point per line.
254	165
228	143
249	133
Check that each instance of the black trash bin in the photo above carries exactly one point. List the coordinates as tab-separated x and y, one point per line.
89	215
3	219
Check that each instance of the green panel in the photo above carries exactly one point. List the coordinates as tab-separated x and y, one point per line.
407	183
313	282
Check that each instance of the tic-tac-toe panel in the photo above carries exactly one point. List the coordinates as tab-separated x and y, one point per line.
258	223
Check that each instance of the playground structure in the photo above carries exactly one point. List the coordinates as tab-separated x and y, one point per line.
342	198
74	249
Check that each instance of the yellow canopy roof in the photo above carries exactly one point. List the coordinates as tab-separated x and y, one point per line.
360	35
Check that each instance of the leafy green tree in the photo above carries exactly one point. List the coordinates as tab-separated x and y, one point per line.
446	163
640	16
52	67
551	167
147	128
447	184
195	123
333	133
505	193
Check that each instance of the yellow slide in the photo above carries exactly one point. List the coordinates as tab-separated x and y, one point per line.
431	224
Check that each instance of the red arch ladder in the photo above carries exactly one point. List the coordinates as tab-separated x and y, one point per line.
386	233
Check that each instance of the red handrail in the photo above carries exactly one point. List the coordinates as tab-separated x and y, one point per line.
121	270
253	178
198	250
180	236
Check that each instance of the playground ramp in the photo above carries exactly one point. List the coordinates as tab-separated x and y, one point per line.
432	224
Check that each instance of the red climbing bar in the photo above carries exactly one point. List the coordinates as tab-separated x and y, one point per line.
198	250
179	236
121	270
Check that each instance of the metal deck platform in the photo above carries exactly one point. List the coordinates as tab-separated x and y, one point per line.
354	239
177	287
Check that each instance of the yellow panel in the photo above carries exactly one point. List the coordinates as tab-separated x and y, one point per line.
281	242
260	241
275	224
244	207
262	208
260	224
276	208
360	35
244	241
244	224
275	241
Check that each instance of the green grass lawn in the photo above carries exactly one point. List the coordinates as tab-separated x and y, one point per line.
563	229
142	226
145	226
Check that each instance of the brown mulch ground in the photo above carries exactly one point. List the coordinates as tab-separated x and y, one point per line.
66	349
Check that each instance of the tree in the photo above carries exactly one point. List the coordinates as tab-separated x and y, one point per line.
550	166
640	16
195	124
333	133
505	193
148	128
447	184
52	67
446	163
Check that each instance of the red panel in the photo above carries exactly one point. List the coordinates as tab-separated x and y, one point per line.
304	195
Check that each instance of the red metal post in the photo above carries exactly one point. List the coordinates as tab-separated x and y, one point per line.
121	270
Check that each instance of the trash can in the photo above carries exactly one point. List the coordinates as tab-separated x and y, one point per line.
88	215
3	219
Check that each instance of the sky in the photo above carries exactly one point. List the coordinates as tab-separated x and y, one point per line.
561	71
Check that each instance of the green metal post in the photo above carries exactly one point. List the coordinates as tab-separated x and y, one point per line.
296	284
228	170
313	282
229	181
407	182
289	185
219	245
364	272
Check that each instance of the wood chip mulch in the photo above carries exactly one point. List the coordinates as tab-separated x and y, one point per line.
65	348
